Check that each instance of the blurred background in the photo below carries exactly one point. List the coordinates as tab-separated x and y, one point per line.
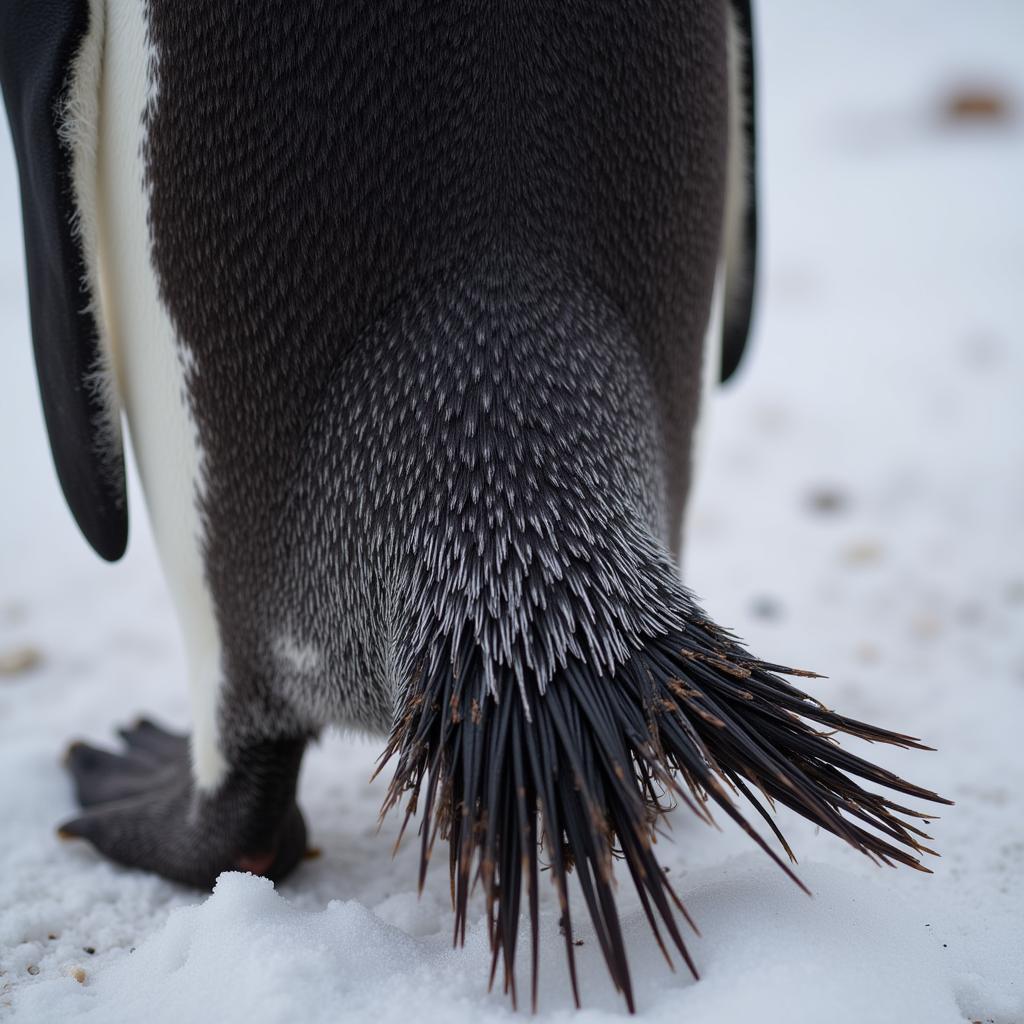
859	511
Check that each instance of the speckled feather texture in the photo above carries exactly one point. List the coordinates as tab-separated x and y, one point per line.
439	268
488	454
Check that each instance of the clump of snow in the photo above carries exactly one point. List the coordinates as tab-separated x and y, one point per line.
859	512
242	956
247	954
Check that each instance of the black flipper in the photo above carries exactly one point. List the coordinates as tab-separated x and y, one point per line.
38	46
741	266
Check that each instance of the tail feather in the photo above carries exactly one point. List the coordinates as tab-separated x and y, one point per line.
584	769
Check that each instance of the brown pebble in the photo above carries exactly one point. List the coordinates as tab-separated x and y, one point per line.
18	660
78	974
977	103
313	853
33	969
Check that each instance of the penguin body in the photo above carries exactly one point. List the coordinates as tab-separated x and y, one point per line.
280	246
406	306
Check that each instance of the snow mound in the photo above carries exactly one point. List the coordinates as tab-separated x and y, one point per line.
247	954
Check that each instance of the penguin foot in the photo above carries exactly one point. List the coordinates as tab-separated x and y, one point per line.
153	756
142	808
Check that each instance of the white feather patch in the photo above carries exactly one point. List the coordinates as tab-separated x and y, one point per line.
152	369
79	119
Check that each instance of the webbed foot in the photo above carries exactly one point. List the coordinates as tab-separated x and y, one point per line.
142	807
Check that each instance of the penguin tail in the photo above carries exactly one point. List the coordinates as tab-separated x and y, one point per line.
576	775
559	689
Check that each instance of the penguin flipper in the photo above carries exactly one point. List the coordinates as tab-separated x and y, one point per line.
49	70
741	193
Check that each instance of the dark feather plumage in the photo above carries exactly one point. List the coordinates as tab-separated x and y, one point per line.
584	769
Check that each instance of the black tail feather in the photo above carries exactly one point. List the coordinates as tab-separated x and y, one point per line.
595	760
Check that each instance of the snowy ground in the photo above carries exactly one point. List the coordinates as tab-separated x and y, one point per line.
861	512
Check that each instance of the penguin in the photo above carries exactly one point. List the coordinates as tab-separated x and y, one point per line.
410	309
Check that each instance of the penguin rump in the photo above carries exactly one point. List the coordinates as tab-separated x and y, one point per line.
408	308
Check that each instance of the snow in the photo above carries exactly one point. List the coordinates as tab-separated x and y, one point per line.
860	512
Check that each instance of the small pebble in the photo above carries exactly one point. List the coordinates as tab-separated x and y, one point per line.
33	969
977	103
863	552
78	974
828	501
18	660
89	949
766	607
